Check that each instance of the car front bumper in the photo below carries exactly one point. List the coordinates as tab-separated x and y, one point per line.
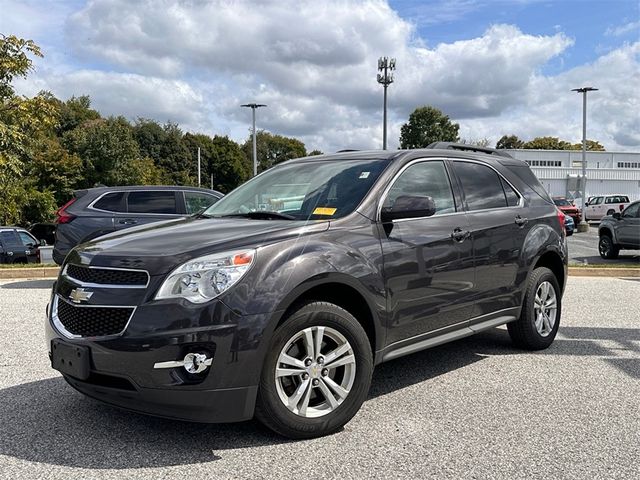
123	371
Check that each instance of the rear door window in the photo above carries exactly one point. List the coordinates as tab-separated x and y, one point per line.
152	202
196	201
9	239
111	202
481	185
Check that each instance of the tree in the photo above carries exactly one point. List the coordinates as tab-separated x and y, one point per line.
427	125
315	152
75	112
106	146
53	168
547	143
272	149
509	141
592	145
221	157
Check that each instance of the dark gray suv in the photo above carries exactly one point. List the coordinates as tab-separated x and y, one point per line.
97	211
278	301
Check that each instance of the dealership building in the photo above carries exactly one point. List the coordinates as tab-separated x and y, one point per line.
560	171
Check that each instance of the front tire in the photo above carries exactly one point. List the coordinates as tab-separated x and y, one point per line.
539	319
608	250
316	374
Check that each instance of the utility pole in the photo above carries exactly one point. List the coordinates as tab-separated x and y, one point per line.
198	166
583	226
386	66
253	107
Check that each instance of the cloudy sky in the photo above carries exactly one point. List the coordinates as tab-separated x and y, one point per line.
494	66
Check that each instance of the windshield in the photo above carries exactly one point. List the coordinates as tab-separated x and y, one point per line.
310	190
561	202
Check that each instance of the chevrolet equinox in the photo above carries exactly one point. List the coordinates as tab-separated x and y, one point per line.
278	300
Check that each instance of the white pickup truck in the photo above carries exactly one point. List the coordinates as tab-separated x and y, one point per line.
600	206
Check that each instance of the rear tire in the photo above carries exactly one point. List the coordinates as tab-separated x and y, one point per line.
608	250
301	395
540	316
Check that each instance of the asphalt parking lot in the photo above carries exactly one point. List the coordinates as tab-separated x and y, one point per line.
583	249
476	408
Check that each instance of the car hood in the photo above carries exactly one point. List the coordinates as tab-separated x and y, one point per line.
160	247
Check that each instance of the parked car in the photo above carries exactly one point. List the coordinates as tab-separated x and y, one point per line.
44	231
620	231
598	207
569	225
18	246
568	207
98	211
279	300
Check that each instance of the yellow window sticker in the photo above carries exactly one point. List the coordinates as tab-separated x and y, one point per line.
324	211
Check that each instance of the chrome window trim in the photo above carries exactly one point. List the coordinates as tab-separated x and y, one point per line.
103	285
444	159
64	332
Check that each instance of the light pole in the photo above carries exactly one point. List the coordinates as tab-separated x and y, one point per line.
253	107
583	226
385	78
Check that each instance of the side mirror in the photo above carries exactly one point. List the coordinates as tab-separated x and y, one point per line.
617	215
409	206
43	242
586	204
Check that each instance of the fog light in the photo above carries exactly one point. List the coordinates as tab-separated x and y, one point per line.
192	363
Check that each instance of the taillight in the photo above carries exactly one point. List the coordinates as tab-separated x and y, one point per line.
62	216
560	217
621	207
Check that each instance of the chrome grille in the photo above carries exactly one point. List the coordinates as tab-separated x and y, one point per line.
90	321
107	276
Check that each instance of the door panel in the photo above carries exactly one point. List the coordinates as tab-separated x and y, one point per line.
429	275
147	206
499	224
628	227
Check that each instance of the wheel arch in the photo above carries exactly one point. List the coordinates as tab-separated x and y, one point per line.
342	291
552	260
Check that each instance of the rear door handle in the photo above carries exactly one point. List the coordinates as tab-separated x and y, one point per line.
127	221
521	221
459	236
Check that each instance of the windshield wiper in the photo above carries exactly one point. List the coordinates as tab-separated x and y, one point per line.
261	215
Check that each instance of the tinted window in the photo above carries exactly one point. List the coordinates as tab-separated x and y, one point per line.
152	202
633	211
561	202
9	238
424	179
111	202
27	239
513	199
482	186
196	201
597	201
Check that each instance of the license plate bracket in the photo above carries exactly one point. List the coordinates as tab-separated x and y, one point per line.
72	360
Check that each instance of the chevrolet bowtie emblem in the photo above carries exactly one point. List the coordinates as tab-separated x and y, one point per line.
78	295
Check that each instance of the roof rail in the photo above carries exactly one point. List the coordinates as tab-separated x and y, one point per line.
348	150
468	148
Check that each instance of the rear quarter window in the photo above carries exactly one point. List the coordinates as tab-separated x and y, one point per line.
111	202
527	176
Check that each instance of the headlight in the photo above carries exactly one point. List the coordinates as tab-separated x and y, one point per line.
204	278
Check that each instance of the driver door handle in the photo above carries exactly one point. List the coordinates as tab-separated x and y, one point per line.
521	222
127	221
460	236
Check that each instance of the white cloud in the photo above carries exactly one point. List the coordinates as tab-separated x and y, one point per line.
314	64
623	29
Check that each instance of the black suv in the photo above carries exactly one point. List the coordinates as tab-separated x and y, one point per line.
98	211
278	301
619	231
18	246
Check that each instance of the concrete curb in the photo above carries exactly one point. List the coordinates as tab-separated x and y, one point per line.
52	272
603	272
41	272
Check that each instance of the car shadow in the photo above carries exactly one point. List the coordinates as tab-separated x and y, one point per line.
29	284
46	421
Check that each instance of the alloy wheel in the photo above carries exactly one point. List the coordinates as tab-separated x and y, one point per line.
315	371
545	308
